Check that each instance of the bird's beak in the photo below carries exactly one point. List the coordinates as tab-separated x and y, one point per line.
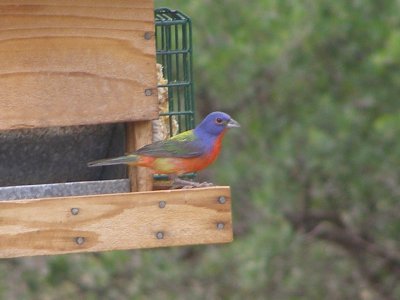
232	123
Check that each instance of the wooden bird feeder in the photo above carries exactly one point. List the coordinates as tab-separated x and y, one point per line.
67	63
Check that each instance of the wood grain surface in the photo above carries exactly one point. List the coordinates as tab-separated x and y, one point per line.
76	62
111	222
139	134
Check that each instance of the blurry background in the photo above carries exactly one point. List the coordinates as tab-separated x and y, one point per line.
314	170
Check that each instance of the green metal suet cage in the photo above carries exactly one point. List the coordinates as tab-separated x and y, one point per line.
174	53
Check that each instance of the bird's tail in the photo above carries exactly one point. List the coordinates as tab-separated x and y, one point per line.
127	159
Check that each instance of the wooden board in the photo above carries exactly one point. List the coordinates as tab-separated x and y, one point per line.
139	134
76	62
119	221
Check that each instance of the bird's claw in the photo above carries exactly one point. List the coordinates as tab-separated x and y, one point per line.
186	184
198	185
206	184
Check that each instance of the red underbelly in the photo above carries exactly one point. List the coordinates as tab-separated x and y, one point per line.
172	165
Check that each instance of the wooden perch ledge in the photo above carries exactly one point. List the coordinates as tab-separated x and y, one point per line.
115	221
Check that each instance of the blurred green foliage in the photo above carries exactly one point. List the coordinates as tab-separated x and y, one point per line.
315	85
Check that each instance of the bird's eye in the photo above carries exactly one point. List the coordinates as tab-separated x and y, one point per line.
218	120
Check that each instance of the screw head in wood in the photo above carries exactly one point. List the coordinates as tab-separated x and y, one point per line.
162	204
79	240
221	199
147	35
148	92
160	235
74	211
220	226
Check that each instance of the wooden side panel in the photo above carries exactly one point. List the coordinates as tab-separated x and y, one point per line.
76	62
111	222
139	134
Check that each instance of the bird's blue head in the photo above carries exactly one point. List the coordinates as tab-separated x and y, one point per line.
215	123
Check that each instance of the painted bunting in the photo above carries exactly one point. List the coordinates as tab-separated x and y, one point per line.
187	152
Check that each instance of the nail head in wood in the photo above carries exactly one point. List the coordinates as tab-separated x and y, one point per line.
160	235
148	92
221	200
162	204
147	35
79	240
220	226
74	211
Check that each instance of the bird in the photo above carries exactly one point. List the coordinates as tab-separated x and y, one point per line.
186	152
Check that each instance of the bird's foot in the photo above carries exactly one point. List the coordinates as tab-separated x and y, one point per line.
187	184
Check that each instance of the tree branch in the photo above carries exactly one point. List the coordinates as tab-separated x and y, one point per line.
330	227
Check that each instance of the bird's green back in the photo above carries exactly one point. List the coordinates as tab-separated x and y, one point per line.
183	145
